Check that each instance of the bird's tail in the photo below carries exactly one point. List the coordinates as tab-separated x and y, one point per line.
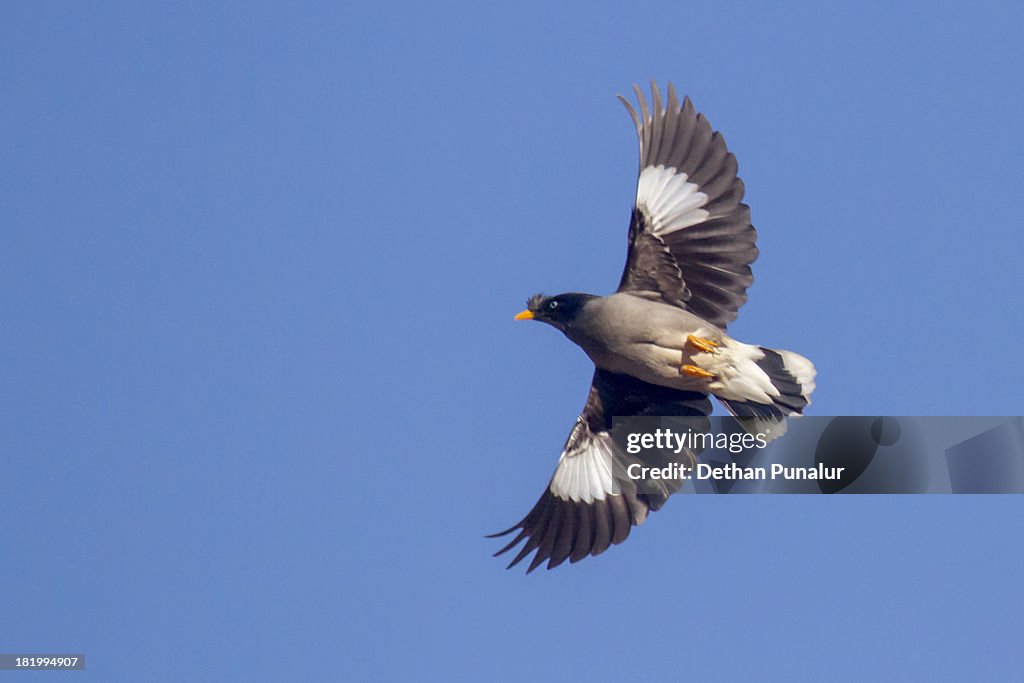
792	376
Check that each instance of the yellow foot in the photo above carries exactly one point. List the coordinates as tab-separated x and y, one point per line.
694	371
705	345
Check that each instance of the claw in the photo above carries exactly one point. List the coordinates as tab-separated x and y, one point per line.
705	345
694	371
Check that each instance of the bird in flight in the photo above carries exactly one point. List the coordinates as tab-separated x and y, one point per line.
659	344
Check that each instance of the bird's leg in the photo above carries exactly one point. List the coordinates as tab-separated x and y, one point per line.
705	345
701	344
694	371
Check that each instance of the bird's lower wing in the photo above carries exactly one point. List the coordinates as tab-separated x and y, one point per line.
590	502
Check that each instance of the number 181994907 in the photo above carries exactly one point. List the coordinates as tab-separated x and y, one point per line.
46	662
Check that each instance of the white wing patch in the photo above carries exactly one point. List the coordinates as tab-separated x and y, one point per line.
585	474
670	202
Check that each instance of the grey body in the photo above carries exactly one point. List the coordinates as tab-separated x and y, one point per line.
641	337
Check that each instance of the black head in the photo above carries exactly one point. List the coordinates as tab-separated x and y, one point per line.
558	311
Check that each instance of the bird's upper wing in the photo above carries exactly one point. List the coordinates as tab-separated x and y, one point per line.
690	238
590	503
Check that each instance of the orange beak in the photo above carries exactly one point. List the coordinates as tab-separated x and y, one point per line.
525	315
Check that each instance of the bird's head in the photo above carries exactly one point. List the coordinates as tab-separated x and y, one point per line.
559	311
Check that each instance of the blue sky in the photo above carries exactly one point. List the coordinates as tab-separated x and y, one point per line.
262	394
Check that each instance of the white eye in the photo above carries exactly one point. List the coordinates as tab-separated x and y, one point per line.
553	305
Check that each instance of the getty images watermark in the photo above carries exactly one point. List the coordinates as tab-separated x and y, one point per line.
688	442
844	454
